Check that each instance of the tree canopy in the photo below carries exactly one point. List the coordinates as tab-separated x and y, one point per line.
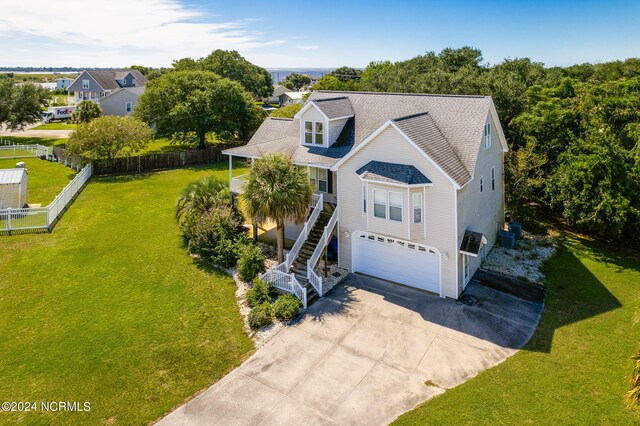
187	105
296	81
21	105
86	111
109	137
232	65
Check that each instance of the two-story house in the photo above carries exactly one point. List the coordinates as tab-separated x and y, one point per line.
410	185
98	85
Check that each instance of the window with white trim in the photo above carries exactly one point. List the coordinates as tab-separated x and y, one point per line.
128	107
313	133
481	184
493	179
322	180
417	208
380	203
85	84
487	135
364	199
395	206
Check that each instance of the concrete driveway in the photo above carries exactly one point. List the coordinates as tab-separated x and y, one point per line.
364	354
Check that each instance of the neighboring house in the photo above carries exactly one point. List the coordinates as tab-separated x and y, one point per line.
415	183
95	85
121	101
63	83
289	98
13	188
277	91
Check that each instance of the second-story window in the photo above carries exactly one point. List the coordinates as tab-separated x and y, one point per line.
85	84
308	132
395	206
493	178
319	133
322	180
380	203
487	135
313	133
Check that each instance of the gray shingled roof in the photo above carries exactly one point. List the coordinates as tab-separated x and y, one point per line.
471	242
11	176
422	130
392	173
450	133
335	107
107	78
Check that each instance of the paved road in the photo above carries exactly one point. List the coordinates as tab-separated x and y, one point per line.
28	132
364	354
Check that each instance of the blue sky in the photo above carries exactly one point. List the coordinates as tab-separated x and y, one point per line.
312	34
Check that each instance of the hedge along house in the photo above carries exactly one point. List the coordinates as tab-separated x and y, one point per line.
413	184
13	188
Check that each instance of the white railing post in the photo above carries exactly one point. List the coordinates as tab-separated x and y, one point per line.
9	219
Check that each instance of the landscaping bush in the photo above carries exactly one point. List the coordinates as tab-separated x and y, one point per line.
205	232
286	307
260	292
250	261
260	316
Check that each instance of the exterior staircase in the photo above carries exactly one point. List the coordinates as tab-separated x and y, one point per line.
299	266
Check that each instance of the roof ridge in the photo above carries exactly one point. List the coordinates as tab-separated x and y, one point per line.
280	118
407	117
435	95
330	99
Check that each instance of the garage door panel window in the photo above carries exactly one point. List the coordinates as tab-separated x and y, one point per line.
380	203
395	206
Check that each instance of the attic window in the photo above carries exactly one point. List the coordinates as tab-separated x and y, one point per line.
85	84
308	132
313	133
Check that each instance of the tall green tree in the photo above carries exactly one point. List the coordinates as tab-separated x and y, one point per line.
295	81
21	105
86	111
109	137
187	105
230	64
346	74
276	190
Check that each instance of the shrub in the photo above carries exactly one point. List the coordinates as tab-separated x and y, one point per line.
260	292
286	307
224	253
260	316
210	234
250	261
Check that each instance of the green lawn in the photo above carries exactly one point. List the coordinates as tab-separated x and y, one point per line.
45	180
110	309
574	370
59	125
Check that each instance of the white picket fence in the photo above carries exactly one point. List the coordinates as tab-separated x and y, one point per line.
42	217
11	150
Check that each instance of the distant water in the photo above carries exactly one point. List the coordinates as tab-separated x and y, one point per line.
279	74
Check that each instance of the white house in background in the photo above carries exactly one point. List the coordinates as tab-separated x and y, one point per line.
277	91
121	101
13	188
289	98
63	83
411	185
95	85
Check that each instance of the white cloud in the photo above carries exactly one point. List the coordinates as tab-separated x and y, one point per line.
308	46
122	32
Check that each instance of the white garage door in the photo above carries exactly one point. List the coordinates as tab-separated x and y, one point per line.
401	261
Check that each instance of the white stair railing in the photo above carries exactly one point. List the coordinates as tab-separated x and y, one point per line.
314	279
308	226
287	283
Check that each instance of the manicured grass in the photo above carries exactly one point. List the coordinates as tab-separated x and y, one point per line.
5	140
110	309
161	145
575	368
45	180
58	125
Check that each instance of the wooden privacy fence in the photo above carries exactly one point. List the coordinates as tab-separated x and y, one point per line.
166	160
32	218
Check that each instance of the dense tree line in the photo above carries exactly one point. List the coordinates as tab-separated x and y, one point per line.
574	132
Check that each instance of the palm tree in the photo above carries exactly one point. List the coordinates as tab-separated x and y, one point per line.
633	396
201	196
277	190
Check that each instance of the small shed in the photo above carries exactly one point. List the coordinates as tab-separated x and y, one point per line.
13	188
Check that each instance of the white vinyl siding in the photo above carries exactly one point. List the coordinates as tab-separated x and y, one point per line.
482	212
438	222
335	127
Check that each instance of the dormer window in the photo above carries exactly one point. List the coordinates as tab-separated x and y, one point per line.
313	133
